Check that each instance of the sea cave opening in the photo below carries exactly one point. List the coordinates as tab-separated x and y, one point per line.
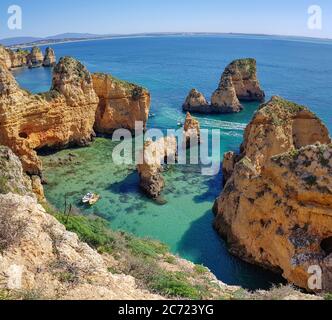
326	245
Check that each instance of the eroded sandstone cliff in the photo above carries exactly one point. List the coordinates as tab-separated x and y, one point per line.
276	207
63	116
23	58
192	131
50	58
154	155
35	57
224	99
196	102
121	104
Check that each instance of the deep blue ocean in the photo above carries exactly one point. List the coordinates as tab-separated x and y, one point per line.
296	69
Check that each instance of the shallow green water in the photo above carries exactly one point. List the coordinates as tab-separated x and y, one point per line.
184	223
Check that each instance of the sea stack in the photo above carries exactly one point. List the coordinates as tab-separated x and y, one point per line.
36	57
49	59
56	119
192	131
224	99
276	208
238	83
155	154
244	78
121	104
195	102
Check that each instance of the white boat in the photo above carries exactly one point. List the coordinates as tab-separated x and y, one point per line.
90	198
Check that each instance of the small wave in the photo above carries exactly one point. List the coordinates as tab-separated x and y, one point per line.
207	122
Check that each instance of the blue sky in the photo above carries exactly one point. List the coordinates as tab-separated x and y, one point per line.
42	18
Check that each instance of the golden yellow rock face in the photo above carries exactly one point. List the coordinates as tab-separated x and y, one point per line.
195	101
154	155
192	131
225	97
121	104
63	116
276	207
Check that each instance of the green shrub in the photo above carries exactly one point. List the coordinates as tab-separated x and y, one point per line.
146	247
199	269
92	231
328	296
175	285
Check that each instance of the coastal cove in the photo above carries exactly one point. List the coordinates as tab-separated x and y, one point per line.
169	67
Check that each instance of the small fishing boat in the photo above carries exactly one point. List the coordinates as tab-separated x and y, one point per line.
180	124
90	198
152	115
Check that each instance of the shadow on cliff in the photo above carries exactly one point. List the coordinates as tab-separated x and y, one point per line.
202	246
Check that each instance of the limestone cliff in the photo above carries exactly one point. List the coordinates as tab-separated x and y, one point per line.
23	58
154	155
244	77
276	207
238	83
50	58
121	104
61	117
5	58
13	59
224	99
35	57
192	131
196	102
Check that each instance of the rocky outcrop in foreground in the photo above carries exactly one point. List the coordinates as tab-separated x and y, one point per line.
276	207
121	104
63	116
238	83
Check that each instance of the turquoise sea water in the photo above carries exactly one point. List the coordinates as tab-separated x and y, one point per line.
169	67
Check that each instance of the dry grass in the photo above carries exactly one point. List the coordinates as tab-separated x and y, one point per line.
11	229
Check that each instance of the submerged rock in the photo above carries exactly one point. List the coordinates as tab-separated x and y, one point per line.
276	207
49	59
121	104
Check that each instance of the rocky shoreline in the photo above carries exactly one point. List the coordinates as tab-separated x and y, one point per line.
25	58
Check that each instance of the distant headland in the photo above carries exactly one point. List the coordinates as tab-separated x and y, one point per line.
26	42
